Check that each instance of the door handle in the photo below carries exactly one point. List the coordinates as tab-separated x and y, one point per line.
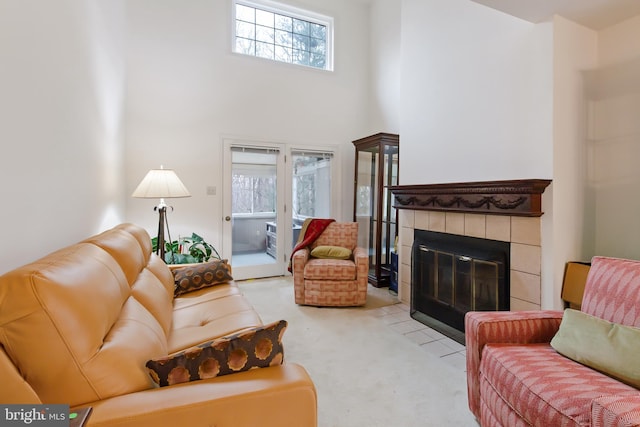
227	218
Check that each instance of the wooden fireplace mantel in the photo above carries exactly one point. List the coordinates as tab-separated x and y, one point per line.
514	197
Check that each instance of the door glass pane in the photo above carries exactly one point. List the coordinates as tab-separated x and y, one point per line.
253	202
310	188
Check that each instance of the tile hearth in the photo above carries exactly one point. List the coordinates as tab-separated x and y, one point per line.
397	318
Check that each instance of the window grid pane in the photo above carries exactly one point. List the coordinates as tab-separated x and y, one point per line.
301	27
283	38
283	54
318	31
264	50
245	13
279	37
264	34
245	30
264	18
246	46
284	23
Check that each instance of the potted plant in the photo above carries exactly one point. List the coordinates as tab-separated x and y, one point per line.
187	250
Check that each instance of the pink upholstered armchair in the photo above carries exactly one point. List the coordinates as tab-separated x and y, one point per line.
332	282
516	378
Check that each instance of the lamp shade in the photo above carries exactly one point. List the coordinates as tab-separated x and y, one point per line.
161	184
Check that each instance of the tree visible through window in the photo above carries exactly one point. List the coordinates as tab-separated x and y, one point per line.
253	193
311	185
282	33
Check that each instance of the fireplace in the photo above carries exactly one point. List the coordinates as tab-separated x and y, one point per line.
504	211
453	274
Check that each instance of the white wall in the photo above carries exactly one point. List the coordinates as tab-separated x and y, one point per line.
385	66
565	222
476	94
186	90
61	80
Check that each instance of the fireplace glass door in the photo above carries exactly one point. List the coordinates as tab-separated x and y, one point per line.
458	281
453	274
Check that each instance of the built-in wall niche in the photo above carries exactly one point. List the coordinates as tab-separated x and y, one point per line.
612	149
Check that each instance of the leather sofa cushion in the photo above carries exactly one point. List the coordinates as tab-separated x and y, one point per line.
14	388
202	296
150	280
281	396
78	304
211	312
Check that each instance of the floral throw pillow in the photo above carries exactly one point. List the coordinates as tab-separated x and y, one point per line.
257	347
198	276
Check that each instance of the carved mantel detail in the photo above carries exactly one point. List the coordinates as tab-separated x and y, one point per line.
515	197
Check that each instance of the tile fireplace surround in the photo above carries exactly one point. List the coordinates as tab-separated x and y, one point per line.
498	210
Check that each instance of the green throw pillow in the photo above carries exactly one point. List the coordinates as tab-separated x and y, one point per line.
257	347
331	252
610	348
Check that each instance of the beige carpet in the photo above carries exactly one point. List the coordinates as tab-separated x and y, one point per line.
366	375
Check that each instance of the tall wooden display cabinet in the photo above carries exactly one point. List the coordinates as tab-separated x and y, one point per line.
376	170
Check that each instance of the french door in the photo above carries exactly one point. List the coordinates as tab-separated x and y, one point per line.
269	190
253	206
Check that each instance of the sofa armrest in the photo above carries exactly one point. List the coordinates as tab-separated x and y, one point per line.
615	411
298	261
278	396
361	258
515	327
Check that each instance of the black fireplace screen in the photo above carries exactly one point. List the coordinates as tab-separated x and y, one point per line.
454	274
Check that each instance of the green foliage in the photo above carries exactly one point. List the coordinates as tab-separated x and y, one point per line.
198	250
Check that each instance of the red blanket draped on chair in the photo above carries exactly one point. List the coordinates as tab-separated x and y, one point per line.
311	229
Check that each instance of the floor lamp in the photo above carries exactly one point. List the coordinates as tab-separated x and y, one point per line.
161	184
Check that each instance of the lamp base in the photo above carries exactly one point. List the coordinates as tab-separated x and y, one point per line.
162	219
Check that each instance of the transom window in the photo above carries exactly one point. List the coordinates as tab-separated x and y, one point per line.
282	33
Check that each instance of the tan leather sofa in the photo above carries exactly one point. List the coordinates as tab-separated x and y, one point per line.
77	327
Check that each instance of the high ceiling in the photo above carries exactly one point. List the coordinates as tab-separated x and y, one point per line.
595	14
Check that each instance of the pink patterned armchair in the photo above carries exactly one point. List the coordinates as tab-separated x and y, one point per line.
332	282
516	378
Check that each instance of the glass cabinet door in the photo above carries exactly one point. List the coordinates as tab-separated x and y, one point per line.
389	230
376	170
366	201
